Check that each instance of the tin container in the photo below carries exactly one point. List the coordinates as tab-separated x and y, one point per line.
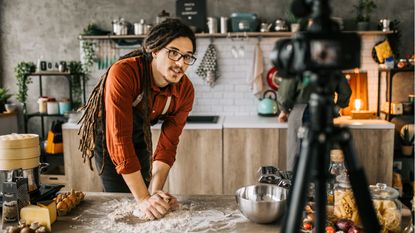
223	24
212	24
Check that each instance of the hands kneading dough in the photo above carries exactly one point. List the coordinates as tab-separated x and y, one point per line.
156	206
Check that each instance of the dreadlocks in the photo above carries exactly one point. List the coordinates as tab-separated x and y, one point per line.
94	117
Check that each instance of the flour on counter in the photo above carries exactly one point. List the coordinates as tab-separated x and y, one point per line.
191	216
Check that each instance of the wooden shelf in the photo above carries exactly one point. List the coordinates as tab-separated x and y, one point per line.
222	35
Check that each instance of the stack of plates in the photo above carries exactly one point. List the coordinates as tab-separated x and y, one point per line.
19	151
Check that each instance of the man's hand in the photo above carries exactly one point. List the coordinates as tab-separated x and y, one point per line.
283	117
155	206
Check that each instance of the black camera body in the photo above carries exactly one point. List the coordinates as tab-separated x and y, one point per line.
316	51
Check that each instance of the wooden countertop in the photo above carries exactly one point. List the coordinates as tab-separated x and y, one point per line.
204	213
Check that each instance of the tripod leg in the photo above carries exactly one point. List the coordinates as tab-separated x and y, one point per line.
359	183
297	197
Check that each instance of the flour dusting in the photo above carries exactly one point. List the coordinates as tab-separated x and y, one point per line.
190	216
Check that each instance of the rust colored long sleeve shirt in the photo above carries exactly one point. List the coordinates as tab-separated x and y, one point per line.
122	87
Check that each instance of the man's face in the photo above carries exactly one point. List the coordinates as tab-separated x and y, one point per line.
170	63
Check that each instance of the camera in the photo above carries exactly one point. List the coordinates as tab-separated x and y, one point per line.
322	47
310	51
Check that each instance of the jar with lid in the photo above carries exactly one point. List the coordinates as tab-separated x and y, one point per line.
345	206
336	168
387	207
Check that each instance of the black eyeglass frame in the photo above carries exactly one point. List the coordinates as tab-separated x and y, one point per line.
170	54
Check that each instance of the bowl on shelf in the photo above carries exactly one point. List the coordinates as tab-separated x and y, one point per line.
262	203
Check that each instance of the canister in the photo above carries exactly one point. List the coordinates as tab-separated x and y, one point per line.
52	107
212	24
42	101
387	207
64	106
223	24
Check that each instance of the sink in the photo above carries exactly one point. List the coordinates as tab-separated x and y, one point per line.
202	119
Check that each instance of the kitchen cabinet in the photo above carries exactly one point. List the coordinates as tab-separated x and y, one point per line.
78	176
374	149
198	166
245	150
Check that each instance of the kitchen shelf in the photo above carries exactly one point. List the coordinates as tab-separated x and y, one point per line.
222	35
57	74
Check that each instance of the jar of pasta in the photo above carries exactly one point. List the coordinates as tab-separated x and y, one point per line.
345	206
387	207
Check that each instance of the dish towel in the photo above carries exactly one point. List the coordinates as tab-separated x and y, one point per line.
255	76
208	68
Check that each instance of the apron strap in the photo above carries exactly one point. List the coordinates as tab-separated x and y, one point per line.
166	107
138	99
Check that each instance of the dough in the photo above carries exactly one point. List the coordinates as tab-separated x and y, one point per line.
141	215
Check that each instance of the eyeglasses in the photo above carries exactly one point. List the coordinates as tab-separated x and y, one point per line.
176	55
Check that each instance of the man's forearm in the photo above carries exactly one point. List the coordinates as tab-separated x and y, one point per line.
160	172
135	183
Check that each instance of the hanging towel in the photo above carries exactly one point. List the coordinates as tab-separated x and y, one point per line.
208	68
255	76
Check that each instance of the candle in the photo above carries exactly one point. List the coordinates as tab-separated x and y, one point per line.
357	104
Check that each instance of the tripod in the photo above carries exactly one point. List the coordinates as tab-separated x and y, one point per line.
312	164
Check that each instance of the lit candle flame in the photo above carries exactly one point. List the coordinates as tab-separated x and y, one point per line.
357	104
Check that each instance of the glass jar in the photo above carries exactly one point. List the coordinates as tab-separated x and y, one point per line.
336	168
345	206
387	207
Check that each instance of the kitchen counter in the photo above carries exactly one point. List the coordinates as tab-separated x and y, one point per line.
268	122
111	212
108	212
272	122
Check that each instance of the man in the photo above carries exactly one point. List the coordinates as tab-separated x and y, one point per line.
139	89
293	97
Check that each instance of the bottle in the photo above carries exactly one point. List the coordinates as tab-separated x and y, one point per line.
336	168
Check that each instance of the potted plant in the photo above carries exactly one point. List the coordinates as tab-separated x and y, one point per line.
363	10
4	96
293	21
407	142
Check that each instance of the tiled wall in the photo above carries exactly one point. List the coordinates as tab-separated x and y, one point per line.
232	95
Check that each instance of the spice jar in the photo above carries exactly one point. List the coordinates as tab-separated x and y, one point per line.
387	207
345	206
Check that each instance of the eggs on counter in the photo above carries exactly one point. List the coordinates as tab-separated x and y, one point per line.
65	202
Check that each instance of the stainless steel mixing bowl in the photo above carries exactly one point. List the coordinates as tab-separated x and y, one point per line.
262	203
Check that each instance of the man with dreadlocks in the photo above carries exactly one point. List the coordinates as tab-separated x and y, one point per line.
139	89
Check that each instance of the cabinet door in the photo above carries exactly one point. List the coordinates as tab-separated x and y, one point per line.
78	175
245	150
198	166
374	148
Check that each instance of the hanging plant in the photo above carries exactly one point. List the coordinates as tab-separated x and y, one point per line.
77	71
22	70
89	57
